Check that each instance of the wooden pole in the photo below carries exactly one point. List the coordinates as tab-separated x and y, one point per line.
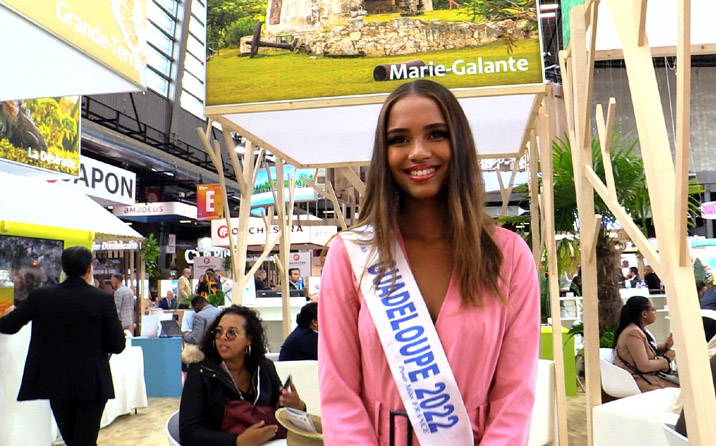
577	70
506	191
284	247
547	198
667	196
534	200
683	125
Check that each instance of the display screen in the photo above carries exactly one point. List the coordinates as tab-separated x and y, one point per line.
25	264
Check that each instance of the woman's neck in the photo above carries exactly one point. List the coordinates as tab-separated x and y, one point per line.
423	219
235	365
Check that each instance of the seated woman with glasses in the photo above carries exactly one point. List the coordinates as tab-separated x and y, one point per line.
230	365
636	350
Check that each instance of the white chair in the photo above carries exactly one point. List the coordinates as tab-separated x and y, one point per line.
635	420
674	438
616	381
305	377
544	412
173	429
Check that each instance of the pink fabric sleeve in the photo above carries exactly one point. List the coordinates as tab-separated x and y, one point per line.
512	393
344	416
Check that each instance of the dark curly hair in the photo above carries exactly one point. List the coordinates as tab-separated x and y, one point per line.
253	327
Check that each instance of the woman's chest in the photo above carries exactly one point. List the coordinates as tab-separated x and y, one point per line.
464	331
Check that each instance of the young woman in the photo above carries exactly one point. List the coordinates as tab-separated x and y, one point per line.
230	365
635	349
473	284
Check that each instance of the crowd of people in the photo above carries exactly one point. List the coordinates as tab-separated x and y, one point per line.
405	293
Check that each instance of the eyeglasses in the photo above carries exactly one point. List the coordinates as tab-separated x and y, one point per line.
231	334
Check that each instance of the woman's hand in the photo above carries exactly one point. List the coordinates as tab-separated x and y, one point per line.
257	434
669	342
670	355
290	398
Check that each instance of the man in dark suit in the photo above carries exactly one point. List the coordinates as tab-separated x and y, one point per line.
74	328
260	280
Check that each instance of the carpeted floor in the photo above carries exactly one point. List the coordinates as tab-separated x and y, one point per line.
147	428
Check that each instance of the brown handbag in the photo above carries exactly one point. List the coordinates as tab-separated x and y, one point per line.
240	415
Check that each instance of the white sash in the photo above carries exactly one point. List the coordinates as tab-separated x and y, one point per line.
411	345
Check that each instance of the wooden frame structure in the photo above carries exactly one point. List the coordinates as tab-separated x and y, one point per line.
668	191
535	123
538	147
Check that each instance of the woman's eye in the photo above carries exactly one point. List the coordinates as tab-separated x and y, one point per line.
439	134
395	140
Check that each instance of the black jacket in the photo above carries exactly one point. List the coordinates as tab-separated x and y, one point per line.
301	344
74	327
206	389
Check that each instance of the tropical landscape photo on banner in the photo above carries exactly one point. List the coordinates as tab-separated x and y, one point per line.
42	133
279	50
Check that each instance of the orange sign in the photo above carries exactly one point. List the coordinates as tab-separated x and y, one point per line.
209	202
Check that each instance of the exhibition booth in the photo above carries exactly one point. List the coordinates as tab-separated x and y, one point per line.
58	218
332	132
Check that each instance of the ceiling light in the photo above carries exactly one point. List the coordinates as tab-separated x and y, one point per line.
184	221
549	7
169	174
548	15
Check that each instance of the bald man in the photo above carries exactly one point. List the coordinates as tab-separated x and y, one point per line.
184	287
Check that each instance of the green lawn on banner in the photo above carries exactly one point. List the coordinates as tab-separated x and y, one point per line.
280	75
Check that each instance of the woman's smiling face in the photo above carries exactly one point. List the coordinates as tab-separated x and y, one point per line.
419	147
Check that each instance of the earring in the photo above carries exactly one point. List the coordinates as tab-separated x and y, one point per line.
248	350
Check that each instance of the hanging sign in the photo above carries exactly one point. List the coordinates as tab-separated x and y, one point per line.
302	261
101	180
111	32
41	133
263	196
315	235
209	202
171	247
708	210
334	48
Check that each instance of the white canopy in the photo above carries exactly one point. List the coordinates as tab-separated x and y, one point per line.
661	21
32	201
343	136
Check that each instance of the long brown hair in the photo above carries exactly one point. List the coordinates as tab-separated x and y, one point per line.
476	256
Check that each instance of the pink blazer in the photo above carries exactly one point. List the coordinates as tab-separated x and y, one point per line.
492	351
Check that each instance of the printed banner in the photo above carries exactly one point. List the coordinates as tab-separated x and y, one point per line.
281	50
42	133
300	235
209	202
112	32
708	210
109	183
263	196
